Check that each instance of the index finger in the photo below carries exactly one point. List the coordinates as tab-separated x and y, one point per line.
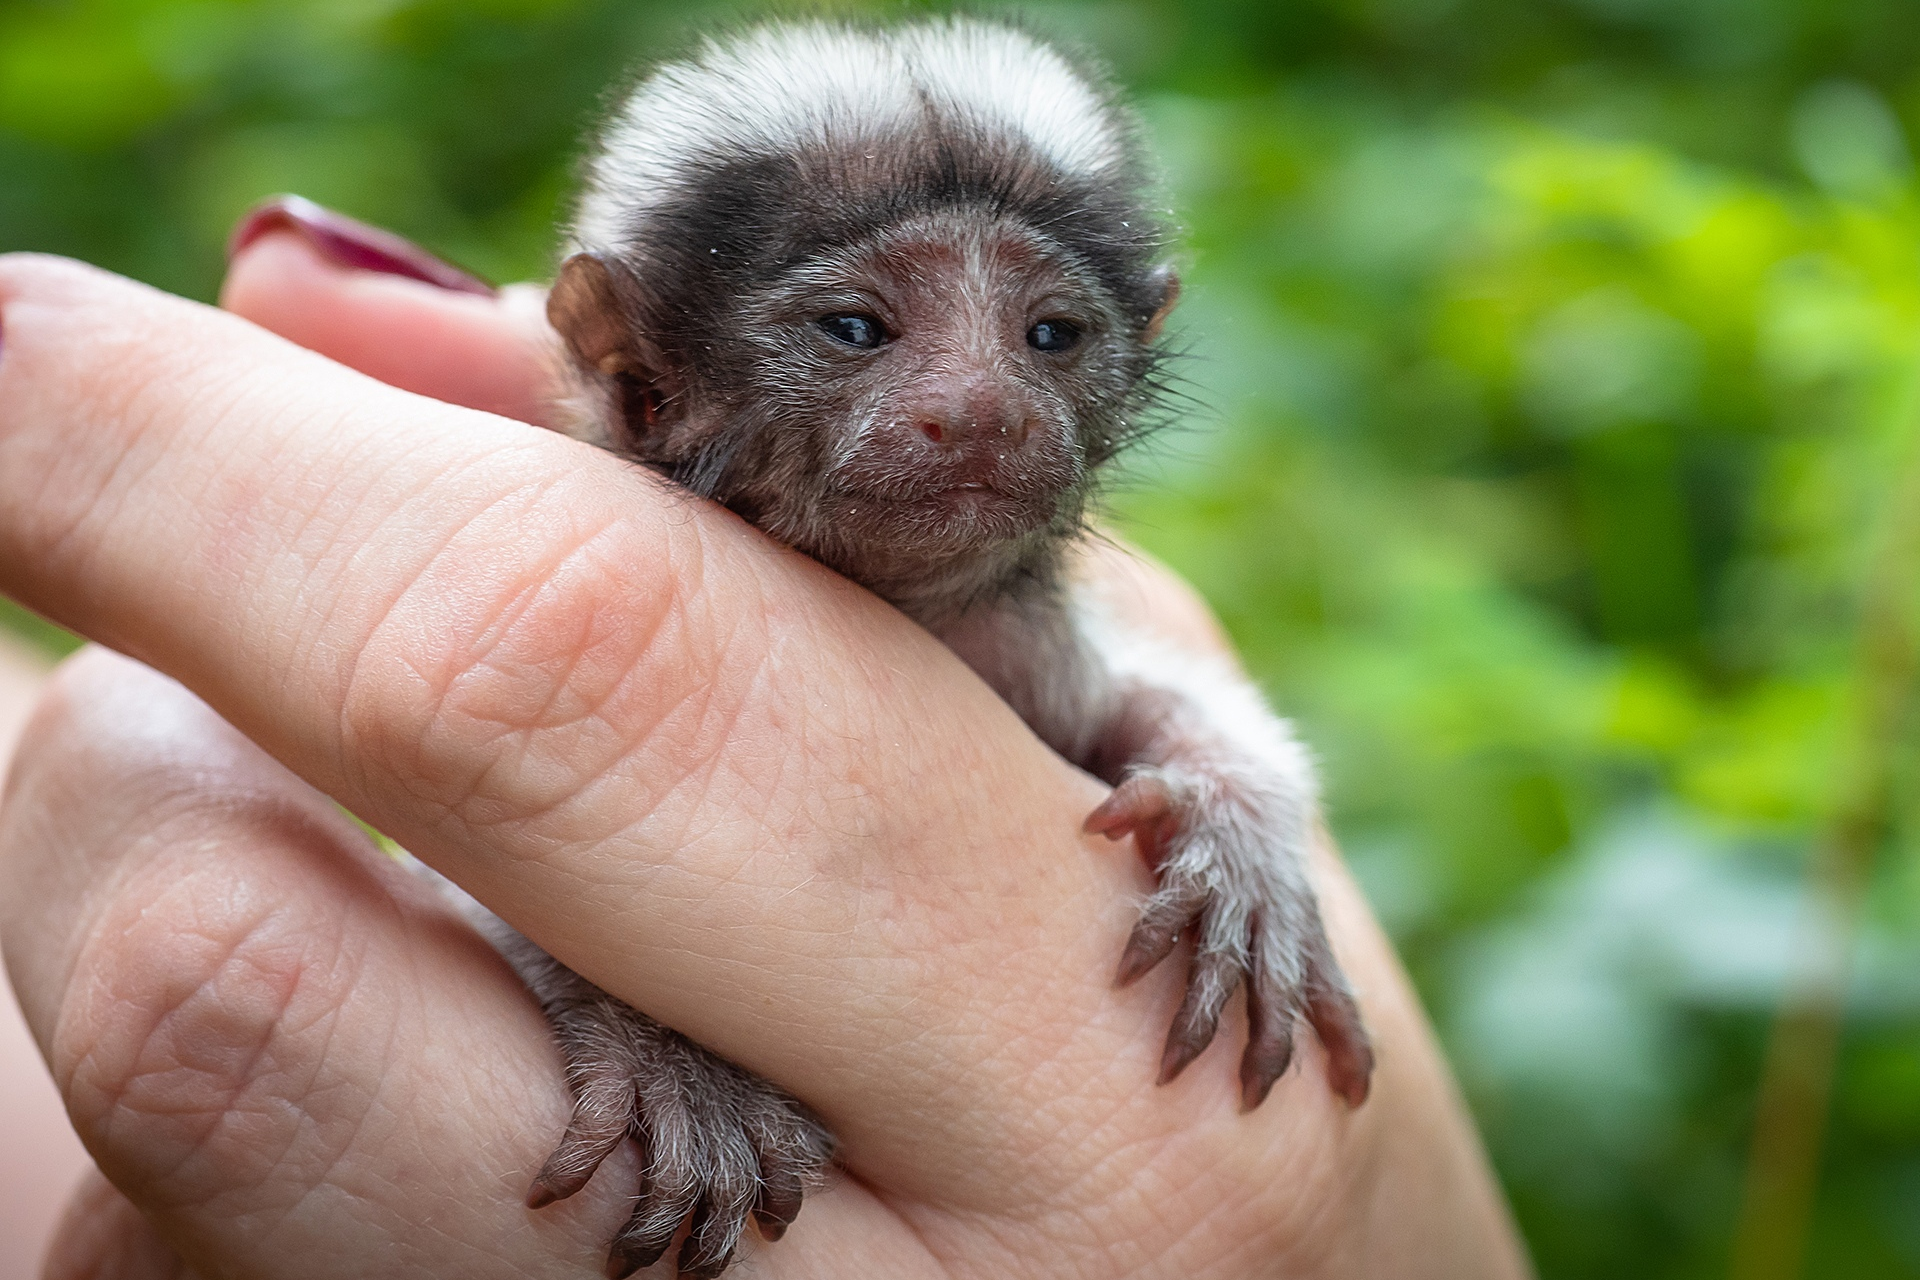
698	767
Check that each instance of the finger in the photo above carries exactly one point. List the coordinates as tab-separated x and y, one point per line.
650	1227
282	1047
714	1231
40	1159
781	1195
794	1148
484	350
352	243
602	1115
260	1024
630	723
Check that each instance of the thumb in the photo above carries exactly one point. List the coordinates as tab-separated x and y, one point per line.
371	301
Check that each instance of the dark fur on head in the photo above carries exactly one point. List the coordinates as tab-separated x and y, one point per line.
953	461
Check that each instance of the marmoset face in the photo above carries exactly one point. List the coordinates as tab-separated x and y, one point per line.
944	385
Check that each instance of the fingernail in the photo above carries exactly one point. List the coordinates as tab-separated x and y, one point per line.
351	243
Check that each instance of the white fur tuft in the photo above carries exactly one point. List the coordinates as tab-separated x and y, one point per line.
791	84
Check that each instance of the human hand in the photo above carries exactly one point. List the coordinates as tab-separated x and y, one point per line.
709	775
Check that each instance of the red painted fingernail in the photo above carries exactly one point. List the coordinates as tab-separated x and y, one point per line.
351	243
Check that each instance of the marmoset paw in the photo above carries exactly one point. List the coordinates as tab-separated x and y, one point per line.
718	1143
1232	873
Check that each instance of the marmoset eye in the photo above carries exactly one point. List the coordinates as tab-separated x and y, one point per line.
856	330
1053	335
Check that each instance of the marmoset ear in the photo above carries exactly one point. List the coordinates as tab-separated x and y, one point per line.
593	306
1168	282
596	306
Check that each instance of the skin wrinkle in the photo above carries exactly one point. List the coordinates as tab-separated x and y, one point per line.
520	738
1091	1256
338	557
260	810
1064	1194
307	1180
115	1087
66	546
348	1143
697	768
432	553
972	1227
1097	1181
176	814
242	956
422	496
369	698
130	464
694	756
712	798
278	627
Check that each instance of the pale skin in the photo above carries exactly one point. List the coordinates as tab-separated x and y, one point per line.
722	783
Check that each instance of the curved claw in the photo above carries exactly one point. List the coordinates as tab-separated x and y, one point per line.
781	1194
1136	802
627	1257
1270	1020
1215	868
602	1072
649	1230
1144	806
1216	976
1336	1018
720	1146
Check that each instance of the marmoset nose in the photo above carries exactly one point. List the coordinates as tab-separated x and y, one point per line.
972	418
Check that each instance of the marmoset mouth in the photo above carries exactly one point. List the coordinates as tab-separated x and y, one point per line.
971	511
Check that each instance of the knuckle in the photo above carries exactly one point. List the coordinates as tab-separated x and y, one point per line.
196	1041
545	646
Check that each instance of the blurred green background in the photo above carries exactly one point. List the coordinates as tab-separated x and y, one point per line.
1552	366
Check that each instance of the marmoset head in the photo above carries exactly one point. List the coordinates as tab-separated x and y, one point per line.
889	294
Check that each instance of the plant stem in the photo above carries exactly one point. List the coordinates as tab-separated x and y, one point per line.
1796	1084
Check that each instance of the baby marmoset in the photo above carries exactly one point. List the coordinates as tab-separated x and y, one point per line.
893	295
